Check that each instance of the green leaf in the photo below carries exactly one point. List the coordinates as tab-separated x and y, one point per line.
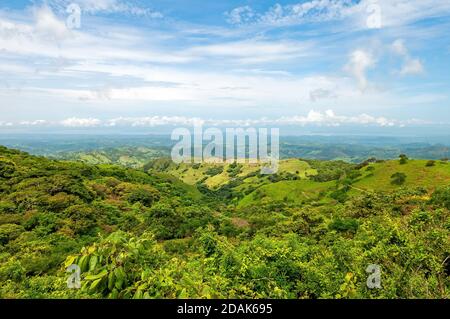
100	275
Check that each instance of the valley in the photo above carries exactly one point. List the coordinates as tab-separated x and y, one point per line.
166	230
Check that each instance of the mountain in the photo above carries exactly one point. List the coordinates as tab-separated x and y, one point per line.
223	231
136	150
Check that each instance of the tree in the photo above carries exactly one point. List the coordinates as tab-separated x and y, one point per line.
7	168
430	163
9	232
403	159
144	195
398	178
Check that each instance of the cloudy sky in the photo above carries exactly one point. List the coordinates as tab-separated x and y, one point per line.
116	63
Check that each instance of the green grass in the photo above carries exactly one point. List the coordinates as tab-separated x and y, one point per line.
416	171
297	167
190	175
190	190
287	191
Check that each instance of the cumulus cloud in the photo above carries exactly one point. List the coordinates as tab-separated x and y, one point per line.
399	48
329	118
357	66
48	25
411	65
313	118
152	121
80	122
34	123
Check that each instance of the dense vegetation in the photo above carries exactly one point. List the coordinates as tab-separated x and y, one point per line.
212	231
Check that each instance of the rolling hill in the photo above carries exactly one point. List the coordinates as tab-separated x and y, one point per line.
309	231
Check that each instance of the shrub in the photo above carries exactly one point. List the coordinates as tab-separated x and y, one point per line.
7	168
403	159
213	171
145	195
430	163
82	219
398	179
350	225
442	197
10	232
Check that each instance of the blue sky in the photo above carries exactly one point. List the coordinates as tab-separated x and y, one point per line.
325	63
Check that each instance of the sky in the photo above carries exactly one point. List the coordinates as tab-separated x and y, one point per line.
118	64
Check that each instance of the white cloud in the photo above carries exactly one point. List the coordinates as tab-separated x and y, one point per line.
359	62
154	121
48	25
254	51
399	48
278	15
80	122
403	12
314	118
112	67
105	6
411	66
393	12
240	15
329	118
320	94
45	35
34	123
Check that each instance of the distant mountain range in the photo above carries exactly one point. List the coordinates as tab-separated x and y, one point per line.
136	150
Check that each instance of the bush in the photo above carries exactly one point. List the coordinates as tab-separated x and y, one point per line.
339	195
7	207
442	197
144	195
7	168
82	219
234	169
403	159
350	225
10	232
213	171
398	179
430	163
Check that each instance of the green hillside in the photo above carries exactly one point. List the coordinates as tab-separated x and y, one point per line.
299	181
306	232
215	175
134	157
287	191
378	176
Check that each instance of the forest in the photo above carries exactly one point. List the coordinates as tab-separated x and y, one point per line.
163	230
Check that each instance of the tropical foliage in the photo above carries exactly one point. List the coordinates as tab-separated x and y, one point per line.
309	232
